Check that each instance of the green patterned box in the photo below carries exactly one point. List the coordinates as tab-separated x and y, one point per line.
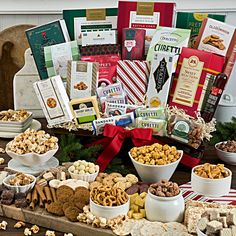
57	57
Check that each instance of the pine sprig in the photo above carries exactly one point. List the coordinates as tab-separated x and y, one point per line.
224	131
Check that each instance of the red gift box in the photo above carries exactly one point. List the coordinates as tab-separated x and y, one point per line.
194	66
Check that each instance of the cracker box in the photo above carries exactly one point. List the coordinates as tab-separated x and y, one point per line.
192	70
81	79
53	100
216	37
162	69
168	40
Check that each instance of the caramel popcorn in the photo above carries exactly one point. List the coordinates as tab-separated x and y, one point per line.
19	224
155	154
12	115
32	141
21	179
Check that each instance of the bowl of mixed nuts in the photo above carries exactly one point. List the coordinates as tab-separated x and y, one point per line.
19	182
32	148
155	162
226	151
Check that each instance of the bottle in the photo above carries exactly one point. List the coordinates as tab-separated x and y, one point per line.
214	97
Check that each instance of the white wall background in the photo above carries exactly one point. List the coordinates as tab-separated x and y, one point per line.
14	12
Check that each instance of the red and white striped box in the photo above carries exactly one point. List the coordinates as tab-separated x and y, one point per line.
134	77
189	194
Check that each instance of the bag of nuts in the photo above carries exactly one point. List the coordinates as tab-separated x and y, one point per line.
187	129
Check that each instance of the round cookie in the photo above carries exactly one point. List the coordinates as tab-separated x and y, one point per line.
55	208
72	212
108	181
94	185
67	204
64	193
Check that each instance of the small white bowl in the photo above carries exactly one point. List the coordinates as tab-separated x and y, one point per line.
227	157
155	173
211	187
109	212
85	177
171	208
19	189
32	159
200	233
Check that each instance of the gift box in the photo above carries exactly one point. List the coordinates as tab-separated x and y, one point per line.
194	66
144	15
134	77
133	44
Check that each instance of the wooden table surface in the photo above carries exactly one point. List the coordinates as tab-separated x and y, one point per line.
180	176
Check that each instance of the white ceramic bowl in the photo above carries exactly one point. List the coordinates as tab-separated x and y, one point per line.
171	209
85	177
32	159
107	211
211	187
227	157
200	233
155	173
19	189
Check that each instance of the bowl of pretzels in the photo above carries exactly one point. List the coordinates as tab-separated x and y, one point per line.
109	202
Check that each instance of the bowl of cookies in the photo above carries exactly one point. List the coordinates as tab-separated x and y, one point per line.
108	202
32	148
19	182
155	162
226	151
83	170
211	180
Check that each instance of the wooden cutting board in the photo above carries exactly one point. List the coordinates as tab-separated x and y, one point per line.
42	218
13	43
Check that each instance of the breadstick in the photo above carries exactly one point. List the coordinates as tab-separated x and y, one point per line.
32	205
35	196
29	197
41	193
41	205
53	191
48	194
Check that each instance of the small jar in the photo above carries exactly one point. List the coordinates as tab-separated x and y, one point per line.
164	209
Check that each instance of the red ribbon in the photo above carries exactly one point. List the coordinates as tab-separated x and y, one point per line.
115	136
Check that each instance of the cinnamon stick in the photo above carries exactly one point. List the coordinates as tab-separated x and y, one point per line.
29	197
48	194
41	193
53	192
41	204
35	196
32	205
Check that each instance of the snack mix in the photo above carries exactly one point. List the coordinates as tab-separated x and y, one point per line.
164	188
84	167
32	141
21	179
211	171
155	154
12	115
108	196
229	146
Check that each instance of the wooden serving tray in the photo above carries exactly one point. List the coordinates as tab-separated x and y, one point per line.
44	219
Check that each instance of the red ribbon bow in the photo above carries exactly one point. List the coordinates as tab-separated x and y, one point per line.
115	136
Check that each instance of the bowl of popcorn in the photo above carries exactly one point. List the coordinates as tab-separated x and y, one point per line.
109	202
155	162
83	170
226	151
19	182
32	148
211	180
166	198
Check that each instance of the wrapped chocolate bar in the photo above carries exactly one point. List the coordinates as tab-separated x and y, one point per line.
99	124
113	109
133	41
126	120
157	125
186	129
155	113
110	90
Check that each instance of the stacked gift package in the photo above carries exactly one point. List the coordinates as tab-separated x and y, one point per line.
128	65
